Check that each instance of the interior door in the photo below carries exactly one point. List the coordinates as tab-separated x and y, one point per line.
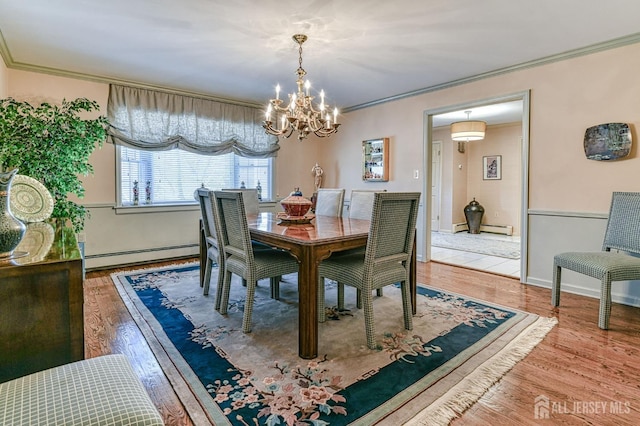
436	166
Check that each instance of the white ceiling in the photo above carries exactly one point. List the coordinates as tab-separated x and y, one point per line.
359	52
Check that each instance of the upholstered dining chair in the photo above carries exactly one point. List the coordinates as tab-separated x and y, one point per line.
360	207
329	202
251	201
212	236
361	203
240	257
386	260
622	235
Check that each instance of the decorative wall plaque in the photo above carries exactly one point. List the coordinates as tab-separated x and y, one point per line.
609	141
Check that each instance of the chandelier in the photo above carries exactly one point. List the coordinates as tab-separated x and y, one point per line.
300	113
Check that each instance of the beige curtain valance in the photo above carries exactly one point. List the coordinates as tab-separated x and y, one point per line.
159	121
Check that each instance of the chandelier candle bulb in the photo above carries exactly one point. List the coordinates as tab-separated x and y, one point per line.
277	94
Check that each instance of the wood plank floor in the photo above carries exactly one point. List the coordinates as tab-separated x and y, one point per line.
586	373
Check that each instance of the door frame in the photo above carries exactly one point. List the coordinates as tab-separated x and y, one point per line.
439	177
525	97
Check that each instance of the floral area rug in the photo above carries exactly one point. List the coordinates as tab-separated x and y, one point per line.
457	349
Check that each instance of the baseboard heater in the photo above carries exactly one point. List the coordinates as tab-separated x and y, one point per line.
494	229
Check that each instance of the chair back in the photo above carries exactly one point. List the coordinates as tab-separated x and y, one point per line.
234	230
251	202
392	229
623	225
205	197
329	202
361	203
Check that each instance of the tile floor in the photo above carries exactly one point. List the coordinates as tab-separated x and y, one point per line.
498	265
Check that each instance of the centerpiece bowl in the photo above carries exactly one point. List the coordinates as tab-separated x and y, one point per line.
296	206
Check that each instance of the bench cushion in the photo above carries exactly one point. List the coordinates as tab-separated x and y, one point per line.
97	391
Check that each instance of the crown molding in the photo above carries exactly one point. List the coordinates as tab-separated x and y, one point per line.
607	45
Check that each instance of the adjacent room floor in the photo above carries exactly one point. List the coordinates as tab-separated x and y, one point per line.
482	262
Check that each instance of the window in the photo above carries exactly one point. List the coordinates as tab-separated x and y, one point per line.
171	177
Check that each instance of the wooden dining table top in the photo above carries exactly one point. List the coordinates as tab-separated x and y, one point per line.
322	229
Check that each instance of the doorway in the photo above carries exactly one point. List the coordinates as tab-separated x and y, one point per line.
431	185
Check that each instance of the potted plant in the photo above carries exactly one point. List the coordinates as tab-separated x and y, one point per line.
52	144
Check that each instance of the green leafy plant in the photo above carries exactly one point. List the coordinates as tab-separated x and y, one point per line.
52	143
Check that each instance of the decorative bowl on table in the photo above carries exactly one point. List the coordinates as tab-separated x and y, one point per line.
296	205
296	209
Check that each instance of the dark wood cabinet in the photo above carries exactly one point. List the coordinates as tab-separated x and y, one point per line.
41	304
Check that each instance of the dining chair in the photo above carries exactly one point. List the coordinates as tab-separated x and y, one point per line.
386	260
212	237
361	203
329	202
251	201
240	257
360	207
622	235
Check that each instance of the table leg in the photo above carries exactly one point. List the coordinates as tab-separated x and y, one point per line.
308	306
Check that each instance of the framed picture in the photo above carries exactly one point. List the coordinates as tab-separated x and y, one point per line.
492	167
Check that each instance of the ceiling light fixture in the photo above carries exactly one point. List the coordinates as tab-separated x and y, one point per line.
300	113
470	130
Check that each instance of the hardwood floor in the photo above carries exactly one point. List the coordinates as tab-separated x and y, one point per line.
586	373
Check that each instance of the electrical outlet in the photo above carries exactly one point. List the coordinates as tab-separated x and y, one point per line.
416	174
496	214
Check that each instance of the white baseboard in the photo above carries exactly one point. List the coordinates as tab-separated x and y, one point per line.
494	229
616	297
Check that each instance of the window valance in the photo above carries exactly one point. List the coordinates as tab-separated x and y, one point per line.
151	120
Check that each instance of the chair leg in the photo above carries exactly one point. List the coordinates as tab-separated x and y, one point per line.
219	291
275	288
555	285
605	304
358	299
407	309
226	288
320	304
379	292
207	276
341	297
248	305
367	302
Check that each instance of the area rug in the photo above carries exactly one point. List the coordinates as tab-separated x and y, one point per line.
476	243
457	349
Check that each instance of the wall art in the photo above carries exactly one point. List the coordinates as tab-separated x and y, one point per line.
492	167
610	141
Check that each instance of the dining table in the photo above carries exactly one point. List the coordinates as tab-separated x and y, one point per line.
310	243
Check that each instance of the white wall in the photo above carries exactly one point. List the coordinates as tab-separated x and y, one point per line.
566	98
